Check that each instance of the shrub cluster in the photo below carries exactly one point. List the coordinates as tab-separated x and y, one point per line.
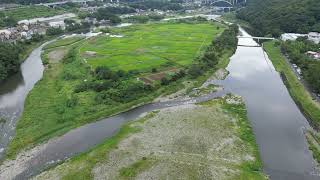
113	86
310	67
226	41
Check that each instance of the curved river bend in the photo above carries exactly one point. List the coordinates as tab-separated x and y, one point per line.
277	122
13	93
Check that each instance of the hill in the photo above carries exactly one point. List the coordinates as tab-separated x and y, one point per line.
273	17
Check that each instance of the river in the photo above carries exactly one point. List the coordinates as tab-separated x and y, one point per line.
277	122
13	93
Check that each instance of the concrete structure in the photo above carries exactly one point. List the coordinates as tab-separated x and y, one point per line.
291	36
5	34
58	24
314	36
57	4
230	2
314	55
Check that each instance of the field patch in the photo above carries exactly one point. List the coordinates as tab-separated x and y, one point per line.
30	12
57	55
64	42
150	46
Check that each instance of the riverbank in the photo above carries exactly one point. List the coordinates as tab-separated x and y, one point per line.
52	108
213	137
301	96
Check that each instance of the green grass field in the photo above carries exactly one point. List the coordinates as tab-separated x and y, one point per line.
46	113
29	12
64	42
310	107
152	45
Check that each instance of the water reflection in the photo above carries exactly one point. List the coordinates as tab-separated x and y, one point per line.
276	120
13	93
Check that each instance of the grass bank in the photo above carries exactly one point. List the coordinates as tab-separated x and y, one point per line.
154	146
64	42
53	107
300	95
30	12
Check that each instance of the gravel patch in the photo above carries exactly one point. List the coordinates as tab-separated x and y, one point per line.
189	141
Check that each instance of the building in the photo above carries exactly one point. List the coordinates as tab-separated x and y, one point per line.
5	35
314	55
291	36
58	24
314	36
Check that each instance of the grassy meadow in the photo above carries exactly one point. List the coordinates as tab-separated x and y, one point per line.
149	46
53	107
64	42
30	12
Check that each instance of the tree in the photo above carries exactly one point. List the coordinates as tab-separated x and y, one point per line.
277	16
9	59
195	70
52	31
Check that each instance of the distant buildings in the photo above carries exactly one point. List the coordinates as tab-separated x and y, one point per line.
312	36
291	36
26	28
314	55
21	32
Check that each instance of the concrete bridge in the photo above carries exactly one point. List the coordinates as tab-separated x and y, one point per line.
229	2
256	38
60	3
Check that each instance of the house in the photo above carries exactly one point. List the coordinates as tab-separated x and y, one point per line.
57	24
314	36
314	55
291	36
5	34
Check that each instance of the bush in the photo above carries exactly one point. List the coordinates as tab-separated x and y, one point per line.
70	57
72	102
154	70
195	70
54	31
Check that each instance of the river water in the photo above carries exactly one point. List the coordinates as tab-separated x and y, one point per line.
13	93
277	122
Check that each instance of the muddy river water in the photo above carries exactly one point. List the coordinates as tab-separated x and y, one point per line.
277	122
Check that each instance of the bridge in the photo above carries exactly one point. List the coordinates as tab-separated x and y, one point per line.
254	37
258	38
60	3
228	2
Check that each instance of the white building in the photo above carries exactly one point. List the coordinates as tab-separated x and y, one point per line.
314	55
291	36
314	36
5	34
58	24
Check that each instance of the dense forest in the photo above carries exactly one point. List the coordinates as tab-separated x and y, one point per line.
273	17
9	60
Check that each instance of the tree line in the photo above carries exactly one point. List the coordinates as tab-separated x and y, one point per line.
152	4
9	59
226	41
296	50
274	17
